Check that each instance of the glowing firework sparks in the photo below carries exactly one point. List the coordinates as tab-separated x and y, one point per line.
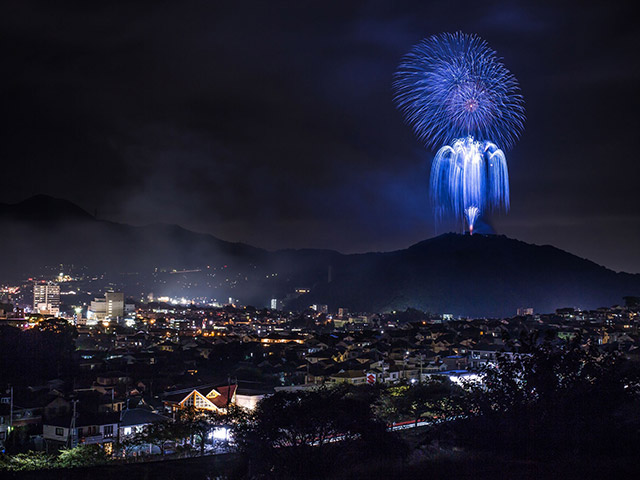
452	86
453	90
472	214
469	177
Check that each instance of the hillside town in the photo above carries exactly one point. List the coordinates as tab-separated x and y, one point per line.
126	365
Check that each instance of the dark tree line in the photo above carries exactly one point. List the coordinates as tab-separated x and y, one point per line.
40	353
574	400
309	434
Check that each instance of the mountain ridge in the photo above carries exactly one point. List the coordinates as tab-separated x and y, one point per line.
479	275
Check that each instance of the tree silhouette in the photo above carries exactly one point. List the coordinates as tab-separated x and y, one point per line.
293	433
569	397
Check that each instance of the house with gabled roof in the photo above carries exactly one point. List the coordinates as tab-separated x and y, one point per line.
202	398
87	428
353	377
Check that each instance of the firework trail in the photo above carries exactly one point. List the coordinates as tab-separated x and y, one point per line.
453	90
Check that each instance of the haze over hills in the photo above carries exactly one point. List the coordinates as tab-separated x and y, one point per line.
465	275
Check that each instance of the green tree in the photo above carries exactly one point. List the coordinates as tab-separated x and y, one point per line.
19	440
27	461
81	456
130	444
160	434
414	401
198	424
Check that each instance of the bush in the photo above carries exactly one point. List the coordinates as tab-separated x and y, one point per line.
27	461
81	456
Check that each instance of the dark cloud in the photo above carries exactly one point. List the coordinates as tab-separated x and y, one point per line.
273	122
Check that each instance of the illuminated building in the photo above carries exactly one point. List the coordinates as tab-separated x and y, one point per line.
115	304
282	338
46	298
320	308
213	399
111	307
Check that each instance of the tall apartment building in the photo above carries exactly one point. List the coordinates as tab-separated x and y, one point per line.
46	298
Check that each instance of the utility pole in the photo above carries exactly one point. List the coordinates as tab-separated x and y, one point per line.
73	437
404	366
11	409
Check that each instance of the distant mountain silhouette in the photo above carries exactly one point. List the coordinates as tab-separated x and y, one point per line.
478	275
43	208
46	230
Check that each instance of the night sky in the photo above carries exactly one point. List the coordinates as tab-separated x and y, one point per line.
273	122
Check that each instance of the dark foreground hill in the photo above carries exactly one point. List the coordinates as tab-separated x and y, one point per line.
459	274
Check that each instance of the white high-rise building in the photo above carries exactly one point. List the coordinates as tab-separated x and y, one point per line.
46	298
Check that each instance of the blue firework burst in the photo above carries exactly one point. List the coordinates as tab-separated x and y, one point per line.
452	86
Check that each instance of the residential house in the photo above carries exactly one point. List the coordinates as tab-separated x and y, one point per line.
88	429
202	398
352	377
134	420
485	354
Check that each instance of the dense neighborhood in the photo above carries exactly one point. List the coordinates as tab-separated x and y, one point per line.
111	381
